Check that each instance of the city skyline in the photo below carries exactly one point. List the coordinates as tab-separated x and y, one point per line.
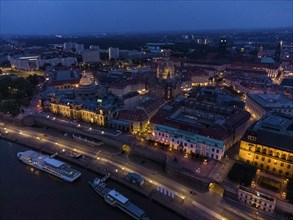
77	17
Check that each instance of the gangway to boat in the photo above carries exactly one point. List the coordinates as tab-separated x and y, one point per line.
106	177
54	155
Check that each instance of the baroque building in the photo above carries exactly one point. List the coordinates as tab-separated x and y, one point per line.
268	144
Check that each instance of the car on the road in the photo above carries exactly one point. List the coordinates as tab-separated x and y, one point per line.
192	193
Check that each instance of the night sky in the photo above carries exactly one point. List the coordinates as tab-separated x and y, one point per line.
72	17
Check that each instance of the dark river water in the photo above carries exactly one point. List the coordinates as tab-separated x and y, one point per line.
27	193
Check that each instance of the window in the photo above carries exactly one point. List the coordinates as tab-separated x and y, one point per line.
263	159
185	144
252	138
255	163
256	157
172	139
216	156
217	151
191	145
212	155
274	169
268	167
288	166
282	164
269	160
213	149
280	171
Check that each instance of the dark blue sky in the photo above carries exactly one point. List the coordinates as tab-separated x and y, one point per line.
61	17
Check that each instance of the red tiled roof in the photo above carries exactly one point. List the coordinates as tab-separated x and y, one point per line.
252	65
138	115
246	70
215	131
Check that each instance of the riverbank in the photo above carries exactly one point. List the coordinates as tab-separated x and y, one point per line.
147	190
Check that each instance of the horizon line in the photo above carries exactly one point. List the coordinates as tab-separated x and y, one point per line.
152	32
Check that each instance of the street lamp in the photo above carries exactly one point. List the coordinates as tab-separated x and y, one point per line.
205	162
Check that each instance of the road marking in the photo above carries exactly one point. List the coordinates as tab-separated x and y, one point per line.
209	211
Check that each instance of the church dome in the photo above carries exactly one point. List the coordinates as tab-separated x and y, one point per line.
85	80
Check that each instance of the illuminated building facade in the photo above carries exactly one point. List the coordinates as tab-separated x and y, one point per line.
268	144
87	102
256	199
77	112
196	126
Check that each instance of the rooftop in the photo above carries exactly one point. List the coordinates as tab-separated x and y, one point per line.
138	115
271	100
188	117
273	130
53	162
116	195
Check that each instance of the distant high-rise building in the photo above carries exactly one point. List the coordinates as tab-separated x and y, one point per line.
79	48
260	53
72	47
223	46
94	47
68	46
113	53
91	56
278	51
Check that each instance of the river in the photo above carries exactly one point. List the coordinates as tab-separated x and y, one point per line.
27	193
